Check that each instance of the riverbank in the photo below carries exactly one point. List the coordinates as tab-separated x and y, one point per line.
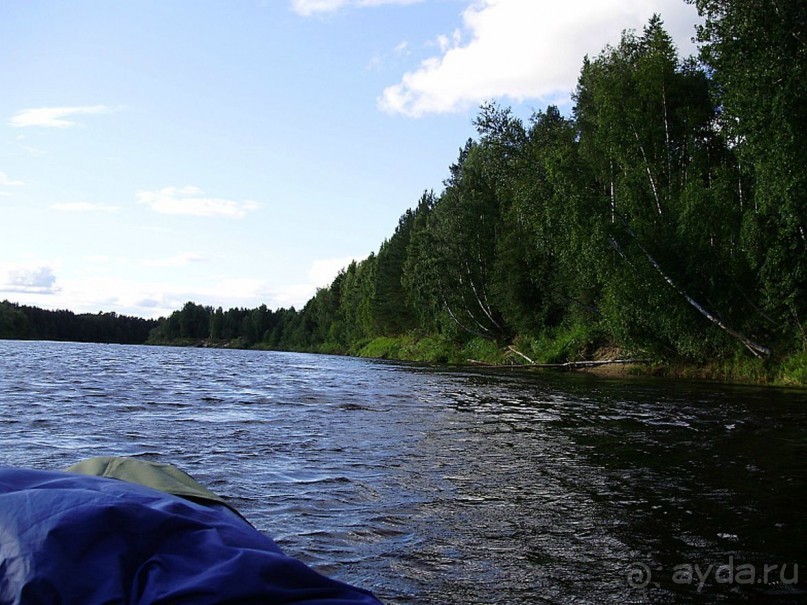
567	354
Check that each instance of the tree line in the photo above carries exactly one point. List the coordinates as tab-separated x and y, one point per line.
665	217
281	329
32	323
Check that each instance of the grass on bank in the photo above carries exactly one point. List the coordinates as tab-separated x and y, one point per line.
575	344
561	345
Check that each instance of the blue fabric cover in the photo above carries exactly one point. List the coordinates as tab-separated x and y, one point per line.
71	539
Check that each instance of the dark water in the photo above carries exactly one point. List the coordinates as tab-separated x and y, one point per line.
433	486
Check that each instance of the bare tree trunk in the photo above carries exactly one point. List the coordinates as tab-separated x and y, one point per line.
668	145
649	172
613	193
755	348
482	305
458	322
520	354
482	327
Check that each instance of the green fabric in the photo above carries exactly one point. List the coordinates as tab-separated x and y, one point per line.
163	477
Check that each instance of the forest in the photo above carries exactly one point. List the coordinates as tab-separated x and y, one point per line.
23	322
663	219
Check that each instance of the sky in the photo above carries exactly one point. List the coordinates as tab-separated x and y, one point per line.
237	153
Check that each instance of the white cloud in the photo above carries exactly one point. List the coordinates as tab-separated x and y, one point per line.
237	289
54	117
191	201
307	8
444	42
35	284
103	259
525	49
293	295
402	48
321	274
180	260
323	271
34	152
91	294
28	279
227	293
129	297
375	63
5	181
310	7
84	207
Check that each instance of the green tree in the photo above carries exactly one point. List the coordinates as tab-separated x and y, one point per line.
420	272
392	312
644	118
757	53
217	324
13	321
194	321
541	252
460	255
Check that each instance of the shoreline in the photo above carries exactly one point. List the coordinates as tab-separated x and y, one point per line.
604	362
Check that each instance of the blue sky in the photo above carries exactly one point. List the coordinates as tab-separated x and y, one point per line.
239	152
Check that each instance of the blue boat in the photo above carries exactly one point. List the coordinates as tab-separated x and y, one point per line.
127	531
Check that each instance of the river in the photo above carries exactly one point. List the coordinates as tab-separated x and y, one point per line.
449	486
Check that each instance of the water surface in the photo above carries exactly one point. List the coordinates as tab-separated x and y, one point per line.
438	486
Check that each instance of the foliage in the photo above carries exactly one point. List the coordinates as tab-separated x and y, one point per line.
572	342
481	350
794	370
383	347
757	53
666	217
31	323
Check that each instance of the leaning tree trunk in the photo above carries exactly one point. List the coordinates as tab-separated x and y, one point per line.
757	349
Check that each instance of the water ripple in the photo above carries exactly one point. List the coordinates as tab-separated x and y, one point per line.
437	486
